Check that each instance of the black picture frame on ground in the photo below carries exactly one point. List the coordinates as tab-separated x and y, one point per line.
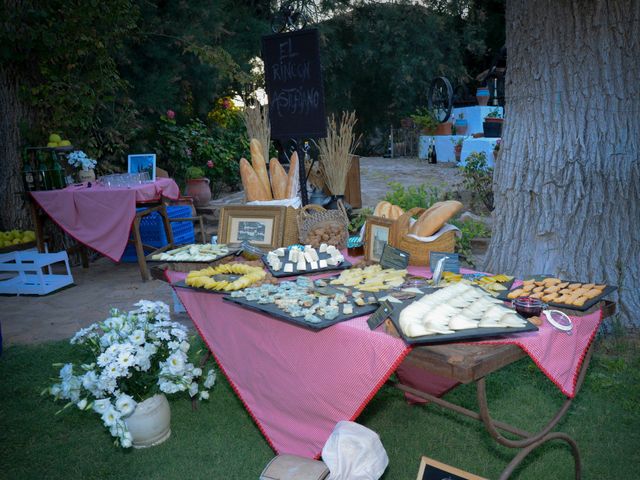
293	80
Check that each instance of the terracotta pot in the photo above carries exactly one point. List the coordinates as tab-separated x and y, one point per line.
457	149
444	129
461	127
86	176
482	96
150	422
199	190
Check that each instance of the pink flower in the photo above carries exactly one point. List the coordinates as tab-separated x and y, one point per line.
210	164
171	114
226	103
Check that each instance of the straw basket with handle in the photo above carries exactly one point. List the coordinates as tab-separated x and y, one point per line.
317	225
419	251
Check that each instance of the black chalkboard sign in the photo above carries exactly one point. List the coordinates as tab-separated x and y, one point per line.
431	469
293	79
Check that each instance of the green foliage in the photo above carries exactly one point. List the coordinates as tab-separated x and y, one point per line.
494	114
216	151
194	172
478	178
425	119
422	196
358	220
469	229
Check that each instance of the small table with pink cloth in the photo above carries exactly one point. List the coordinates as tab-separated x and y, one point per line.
99	217
298	383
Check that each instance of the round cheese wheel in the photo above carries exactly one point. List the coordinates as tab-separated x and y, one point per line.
435	217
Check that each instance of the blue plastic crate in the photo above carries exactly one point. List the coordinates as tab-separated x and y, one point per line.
152	231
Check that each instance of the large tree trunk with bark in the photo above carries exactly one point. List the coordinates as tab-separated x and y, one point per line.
13	211
567	183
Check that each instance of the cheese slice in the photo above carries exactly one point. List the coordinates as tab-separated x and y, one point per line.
288	267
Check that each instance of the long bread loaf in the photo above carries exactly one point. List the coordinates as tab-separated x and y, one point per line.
259	165
293	179
253	188
279	180
435	217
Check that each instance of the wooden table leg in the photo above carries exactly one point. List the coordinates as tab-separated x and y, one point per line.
167	224
137	238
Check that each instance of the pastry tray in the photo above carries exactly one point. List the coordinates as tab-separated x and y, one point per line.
322	256
460	335
587	305
275	312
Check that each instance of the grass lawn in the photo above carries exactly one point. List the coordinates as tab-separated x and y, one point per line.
220	441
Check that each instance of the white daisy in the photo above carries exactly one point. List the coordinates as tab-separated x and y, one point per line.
110	416
125	404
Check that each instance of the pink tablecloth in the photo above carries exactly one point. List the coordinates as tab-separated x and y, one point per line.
101	217
296	383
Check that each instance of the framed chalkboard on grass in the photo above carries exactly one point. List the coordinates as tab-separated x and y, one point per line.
293	79
431	469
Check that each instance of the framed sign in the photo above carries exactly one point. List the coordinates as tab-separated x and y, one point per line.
261	226
143	162
377	234
431	469
293	80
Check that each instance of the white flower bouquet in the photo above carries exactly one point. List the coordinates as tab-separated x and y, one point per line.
131	356
79	159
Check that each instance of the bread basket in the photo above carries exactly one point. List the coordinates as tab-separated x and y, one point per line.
419	251
315	224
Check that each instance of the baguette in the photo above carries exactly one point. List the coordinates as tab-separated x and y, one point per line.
293	179
253	188
279	180
435	217
259	165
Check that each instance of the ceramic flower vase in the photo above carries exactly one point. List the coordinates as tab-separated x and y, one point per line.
86	176
150	422
199	190
461	127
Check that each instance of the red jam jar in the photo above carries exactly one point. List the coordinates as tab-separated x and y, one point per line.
528	307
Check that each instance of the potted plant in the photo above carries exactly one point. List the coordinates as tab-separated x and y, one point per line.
461	125
131	360
482	96
198	186
79	159
457	148
492	125
496	149
425	120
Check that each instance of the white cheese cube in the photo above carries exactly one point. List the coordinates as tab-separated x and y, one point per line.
323	247
293	255
322	264
347	309
280	252
308	257
314	265
314	255
288	267
302	265
331	250
332	261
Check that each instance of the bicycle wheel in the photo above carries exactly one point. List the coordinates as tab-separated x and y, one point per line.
440	99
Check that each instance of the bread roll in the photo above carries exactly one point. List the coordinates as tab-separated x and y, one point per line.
293	179
379	208
253	188
259	165
434	218
279	180
395	212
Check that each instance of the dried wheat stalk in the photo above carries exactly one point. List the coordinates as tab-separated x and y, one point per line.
336	150
256	119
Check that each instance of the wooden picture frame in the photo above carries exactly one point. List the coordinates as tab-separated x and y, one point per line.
431	469
378	232
260	226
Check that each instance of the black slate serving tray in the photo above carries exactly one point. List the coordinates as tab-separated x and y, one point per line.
469	334
323	256
182	284
587	305
231	252
275	312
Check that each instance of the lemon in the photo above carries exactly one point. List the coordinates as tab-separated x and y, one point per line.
54	138
64	143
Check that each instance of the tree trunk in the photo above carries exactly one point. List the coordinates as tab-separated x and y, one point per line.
567	185
14	212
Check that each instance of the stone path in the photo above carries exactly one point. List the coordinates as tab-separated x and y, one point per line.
107	284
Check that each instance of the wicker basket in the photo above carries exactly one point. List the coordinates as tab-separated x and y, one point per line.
290	235
419	251
312	217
